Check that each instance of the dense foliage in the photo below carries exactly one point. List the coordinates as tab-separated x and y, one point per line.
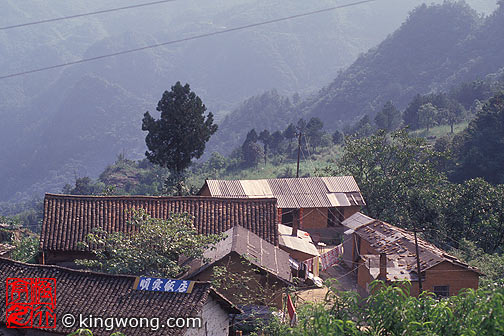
400	180
480	149
154	249
391	311
438	46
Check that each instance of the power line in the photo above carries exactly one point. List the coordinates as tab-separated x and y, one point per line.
84	14
84	60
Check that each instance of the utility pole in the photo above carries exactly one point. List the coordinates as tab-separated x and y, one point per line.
419	272
299	151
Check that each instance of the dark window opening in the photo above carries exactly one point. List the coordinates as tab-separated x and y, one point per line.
287	216
442	291
334	216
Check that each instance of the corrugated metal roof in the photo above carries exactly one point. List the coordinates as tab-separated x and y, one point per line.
256	188
357	220
309	192
340	183
302	242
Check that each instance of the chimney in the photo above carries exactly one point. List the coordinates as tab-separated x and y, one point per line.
295	222
383	267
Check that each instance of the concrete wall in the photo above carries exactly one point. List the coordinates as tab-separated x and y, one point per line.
215	320
348	246
298	255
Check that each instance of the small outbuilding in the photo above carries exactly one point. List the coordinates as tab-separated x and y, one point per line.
386	252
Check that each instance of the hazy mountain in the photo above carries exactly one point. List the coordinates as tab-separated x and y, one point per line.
51	120
437	47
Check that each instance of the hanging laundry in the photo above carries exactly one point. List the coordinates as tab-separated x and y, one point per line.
331	257
292	311
309	264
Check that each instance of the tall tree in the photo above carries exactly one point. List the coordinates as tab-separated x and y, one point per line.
314	131
251	150
338	138
427	115
411	117
388	118
265	138
182	131
276	140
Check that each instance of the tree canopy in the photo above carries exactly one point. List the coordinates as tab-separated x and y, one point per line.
182	131
480	149
153	250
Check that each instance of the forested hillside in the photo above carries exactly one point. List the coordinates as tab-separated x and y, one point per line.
224	70
437	47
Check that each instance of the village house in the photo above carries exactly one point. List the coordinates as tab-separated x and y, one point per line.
379	250
68	219
312	204
84	293
257	272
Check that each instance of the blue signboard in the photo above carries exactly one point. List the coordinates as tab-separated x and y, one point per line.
163	285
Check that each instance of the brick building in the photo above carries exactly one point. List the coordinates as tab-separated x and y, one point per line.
382	251
68	219
114	296
318	202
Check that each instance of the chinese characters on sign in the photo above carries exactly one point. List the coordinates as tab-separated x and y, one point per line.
30	302
163	285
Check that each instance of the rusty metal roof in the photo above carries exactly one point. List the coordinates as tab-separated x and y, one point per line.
305	192
399	246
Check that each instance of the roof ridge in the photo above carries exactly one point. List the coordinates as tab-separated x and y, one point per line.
147	197
79	271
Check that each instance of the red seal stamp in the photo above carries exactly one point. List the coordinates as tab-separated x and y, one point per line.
30	302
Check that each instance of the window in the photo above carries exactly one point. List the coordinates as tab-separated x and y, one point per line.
287	216
442	291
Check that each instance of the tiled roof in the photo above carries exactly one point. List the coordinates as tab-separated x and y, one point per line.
258	251
104	295
306	192
399	246
68	219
